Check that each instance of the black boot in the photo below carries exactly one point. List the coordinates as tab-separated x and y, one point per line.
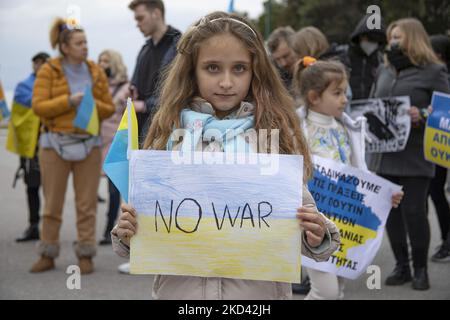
443	254
107	234
32	233
302	288
420	281
400	275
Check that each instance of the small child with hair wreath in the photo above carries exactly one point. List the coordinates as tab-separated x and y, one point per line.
222	76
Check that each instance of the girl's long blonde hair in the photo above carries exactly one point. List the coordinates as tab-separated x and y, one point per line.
118	68
274	107
416	45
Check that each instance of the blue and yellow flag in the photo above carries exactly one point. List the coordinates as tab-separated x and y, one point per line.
231	6
437	132
116	165
23	127
87	116
4	111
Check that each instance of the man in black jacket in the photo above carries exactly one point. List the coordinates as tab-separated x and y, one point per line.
365	54
155	55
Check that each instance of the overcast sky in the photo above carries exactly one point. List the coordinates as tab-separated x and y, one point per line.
109	24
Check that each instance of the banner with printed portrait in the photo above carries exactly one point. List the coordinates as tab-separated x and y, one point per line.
388	122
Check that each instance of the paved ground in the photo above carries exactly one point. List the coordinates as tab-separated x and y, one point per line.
106	283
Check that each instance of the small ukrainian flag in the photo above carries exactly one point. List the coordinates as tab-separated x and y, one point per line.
23	127
4	111
87	116
231	6
116	164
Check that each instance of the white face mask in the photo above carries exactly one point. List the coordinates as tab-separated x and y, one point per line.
368	47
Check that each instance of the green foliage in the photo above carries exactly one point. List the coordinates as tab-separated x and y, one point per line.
338	18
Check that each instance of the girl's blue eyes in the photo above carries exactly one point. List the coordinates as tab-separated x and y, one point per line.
240	68
214	68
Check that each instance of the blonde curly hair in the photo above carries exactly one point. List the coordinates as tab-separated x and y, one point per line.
118	68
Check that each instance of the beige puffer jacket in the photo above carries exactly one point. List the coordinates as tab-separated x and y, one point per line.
169	287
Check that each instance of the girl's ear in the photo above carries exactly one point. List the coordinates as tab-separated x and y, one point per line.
313	97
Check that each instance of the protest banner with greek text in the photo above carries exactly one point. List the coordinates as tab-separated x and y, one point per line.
358	202
437	132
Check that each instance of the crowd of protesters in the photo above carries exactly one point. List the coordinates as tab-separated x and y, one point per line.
399	60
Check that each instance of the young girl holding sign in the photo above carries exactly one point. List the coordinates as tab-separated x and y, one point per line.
222	73
331	134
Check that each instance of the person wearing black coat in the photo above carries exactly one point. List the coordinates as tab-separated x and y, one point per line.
365	53
441	45
156	54
412	69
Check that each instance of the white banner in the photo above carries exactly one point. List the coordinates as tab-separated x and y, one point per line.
358	202
388	122
216	220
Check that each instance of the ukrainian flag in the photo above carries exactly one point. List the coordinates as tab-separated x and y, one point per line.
23	127
4	111
437	132
116	164
231	6
87	116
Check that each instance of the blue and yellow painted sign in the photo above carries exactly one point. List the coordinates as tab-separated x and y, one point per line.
437	132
